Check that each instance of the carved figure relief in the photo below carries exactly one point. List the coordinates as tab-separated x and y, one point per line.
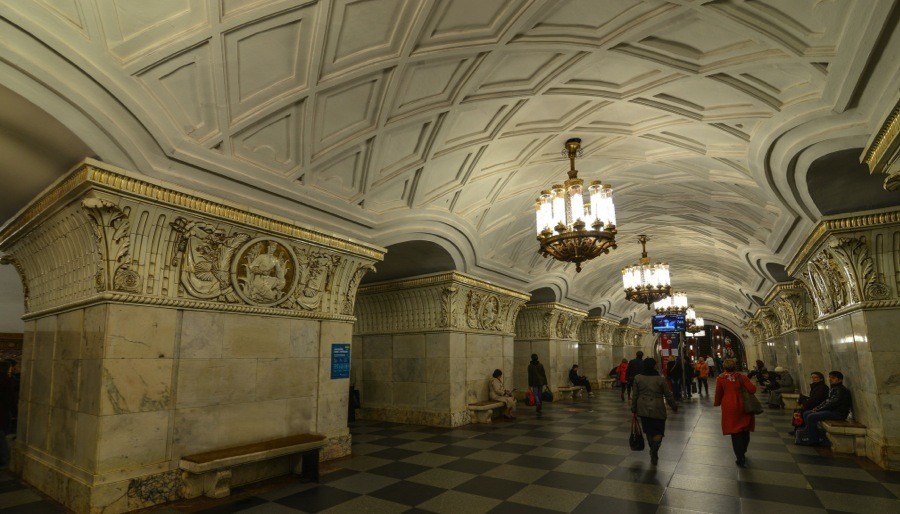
484	311
490	310
316	274
206	265
264	272
112	234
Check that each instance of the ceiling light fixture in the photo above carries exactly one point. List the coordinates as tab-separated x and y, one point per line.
567	229
646	283
675	304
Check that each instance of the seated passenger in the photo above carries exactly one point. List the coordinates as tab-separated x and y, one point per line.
501	394
836	406
580	380
818	392
782	383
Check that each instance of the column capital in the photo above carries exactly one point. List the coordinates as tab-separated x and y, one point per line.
102	234
549	320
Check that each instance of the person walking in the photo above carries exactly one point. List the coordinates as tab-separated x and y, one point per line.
537	380
501	394
622	377
635	366
673	370
711	364
735	422
650	391
702	375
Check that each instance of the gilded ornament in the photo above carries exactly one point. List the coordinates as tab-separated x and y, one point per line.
264	272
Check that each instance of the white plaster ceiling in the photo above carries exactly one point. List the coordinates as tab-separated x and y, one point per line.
399	120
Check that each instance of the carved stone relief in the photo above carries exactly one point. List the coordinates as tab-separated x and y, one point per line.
843	274
112	234
207	259
9	259
264	272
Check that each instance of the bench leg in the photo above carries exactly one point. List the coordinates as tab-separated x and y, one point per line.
213	484
306	465
481	416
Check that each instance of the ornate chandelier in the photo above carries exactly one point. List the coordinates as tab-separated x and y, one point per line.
646	283
675	304
692	324
570	230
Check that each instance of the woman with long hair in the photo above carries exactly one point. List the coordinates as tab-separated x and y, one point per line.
650	391
735	422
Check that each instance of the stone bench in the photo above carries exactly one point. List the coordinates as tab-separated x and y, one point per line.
482	412
790	399
209	473
575	390
606	383
846	436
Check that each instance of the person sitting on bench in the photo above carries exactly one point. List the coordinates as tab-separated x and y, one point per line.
502	394
836	406
580	380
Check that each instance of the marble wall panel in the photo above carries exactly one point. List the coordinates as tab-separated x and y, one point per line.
136	385
356	360
85	442
256	336
42	381
132	440
94	331
305	335
301	415
285	378
882	327
376	393
408	346
38	426
437	396
409	394
140	332
484	345
437	345
220	426
377	369
64	388
203	382
45	338
811	358
202	334
334	332
28	339
89	388
437	370
331	415
458	396
60	443
327	385
68	337
378	347
409	370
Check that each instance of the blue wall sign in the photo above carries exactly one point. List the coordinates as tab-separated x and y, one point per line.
340	361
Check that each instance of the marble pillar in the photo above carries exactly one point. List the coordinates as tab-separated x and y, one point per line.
849	264
595	347
549	330
160	323
426	346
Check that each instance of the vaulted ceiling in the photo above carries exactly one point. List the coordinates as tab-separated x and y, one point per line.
397	121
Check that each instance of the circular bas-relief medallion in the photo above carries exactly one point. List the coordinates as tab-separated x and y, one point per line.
264	272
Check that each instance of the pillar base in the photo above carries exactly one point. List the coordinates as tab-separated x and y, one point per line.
886	456
415	417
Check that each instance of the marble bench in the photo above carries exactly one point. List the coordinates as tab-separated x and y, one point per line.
575	390
606	383
846	436
790	399
482	412
209	473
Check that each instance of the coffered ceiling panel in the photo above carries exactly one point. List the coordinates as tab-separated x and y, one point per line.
449	116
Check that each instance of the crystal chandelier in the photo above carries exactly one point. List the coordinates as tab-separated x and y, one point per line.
693	324
570	230
675	304
646	283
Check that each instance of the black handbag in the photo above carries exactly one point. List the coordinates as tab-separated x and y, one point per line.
546	395
636	439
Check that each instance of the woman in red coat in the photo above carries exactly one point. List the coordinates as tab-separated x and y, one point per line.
622	370
735	421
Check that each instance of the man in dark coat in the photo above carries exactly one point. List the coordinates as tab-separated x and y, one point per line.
635	368
836	406
537	380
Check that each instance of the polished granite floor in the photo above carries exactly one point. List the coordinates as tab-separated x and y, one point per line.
573	459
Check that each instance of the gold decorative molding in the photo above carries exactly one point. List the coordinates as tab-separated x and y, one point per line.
829	226
92	174
440	278
549	320
881	155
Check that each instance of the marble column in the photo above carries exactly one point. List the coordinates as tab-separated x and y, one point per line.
595	347
797	345
426	346
850	266
549	330
162	322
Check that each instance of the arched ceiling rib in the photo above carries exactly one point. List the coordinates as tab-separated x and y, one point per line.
373	116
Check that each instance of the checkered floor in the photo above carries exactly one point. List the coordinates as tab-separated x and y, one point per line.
573	459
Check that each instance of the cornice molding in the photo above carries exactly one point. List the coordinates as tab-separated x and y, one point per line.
881	155
441	278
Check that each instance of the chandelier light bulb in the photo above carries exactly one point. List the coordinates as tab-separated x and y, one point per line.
644	282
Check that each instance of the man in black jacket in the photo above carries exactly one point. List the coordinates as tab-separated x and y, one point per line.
635	367
836	406
818	393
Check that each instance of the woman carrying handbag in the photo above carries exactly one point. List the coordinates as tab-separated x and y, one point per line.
651	393
734	393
